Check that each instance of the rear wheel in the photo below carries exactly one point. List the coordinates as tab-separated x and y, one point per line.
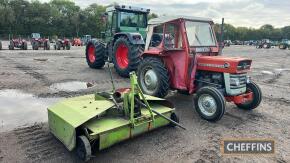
68	45
47	45
0	45
210	103
126	56
175	118
11	45
257	97
24	46
95	54
35	45
153	77
83	148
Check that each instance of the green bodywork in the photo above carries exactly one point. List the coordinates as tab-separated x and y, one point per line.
101	121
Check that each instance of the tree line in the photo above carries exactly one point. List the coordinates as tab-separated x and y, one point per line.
64	18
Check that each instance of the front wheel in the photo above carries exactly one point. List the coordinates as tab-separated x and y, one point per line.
83	148
153	77
95	54
255	101
210	103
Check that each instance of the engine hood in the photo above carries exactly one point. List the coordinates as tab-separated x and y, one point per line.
223	64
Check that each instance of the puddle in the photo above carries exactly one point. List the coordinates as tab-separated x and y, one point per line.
22	109
69	86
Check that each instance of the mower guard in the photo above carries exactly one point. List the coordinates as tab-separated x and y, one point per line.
66	116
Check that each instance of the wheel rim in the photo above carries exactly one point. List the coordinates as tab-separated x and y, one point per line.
122	56
149	80
91	53
207	105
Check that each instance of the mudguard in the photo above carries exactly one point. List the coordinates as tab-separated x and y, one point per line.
134	38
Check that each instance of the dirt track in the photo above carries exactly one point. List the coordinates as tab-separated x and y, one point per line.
31	75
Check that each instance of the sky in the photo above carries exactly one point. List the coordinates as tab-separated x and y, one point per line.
246	13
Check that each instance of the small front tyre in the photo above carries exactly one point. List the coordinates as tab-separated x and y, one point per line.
175	118
210	103
83	148
95	54
256	100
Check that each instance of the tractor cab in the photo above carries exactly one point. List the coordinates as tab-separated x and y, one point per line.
35	36
124	18
166	33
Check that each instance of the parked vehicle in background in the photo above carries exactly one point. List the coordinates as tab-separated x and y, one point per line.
62	44
227	42
237	42
17	43
264	43
76	42
38	42
86	39
284	44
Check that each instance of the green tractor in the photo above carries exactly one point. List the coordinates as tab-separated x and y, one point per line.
122	42
284	44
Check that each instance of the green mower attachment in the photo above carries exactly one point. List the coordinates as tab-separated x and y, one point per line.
97	121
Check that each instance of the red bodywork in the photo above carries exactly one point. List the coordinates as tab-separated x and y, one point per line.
18	43
76	42
183	63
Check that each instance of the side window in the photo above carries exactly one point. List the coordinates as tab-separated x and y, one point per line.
157	36
109	22
172	37
114	20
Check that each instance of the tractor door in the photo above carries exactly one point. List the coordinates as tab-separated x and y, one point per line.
176	54
111	27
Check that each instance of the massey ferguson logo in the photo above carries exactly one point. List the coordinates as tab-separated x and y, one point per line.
226	65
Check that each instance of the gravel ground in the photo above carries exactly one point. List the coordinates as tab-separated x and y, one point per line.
30	81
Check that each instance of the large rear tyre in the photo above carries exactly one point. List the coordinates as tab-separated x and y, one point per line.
47	45
95	54
257	97
83	148
153	77
35	46
126	56
210	103
11	45
24	46
68	46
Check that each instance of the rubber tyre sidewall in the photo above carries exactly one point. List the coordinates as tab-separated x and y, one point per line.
257	97
83	145
133	57
99	55
162	74
219	99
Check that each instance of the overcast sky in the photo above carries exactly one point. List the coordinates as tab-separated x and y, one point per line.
249	13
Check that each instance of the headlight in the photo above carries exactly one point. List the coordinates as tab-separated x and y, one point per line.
234	82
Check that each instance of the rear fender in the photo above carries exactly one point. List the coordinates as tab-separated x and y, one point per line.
134	38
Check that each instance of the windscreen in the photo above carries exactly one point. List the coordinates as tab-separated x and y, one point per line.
133	19
35	35
199	34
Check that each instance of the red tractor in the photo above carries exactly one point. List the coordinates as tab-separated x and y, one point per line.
76	42
182	53
62	44
38	42
17	43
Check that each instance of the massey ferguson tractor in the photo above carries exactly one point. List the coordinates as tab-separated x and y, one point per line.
38	42
181	53
62	44
17	43
122	42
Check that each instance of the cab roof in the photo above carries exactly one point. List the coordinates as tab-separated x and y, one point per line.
165	19
127	8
